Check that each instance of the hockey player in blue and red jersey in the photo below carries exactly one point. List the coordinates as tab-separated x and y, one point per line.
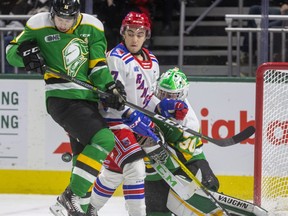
137	68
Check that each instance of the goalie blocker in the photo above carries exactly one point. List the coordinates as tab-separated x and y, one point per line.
200	204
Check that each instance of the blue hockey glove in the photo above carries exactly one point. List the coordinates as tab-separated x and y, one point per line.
140	124
172	108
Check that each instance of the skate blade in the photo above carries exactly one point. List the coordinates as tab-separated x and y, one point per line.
58	210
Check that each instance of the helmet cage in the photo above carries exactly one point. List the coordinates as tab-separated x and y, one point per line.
172	84
180	94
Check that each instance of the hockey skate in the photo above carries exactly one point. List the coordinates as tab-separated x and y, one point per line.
58	210
67	205
91	211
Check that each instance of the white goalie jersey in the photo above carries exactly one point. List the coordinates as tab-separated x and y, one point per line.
138	77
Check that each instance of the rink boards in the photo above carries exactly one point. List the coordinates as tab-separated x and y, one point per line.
32	144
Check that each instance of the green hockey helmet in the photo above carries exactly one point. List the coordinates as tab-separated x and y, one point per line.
172	84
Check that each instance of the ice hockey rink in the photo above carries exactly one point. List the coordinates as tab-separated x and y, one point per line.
38	205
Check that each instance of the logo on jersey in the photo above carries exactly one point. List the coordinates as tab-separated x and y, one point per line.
120	52
142	86
84	35
51	38
126	141
74	56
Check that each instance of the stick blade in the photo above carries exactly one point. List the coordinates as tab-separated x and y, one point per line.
243	135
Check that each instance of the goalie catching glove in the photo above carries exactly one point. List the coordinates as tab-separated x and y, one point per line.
29	51
116	93
172	108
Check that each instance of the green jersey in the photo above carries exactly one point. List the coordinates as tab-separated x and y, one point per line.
185	146
74	53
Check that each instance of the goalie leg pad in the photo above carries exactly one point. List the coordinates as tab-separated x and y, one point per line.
201	204
192	206
156	193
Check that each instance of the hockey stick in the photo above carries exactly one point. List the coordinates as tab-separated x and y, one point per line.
246	133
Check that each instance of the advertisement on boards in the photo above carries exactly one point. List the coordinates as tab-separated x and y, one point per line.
13	124
224	109
30	139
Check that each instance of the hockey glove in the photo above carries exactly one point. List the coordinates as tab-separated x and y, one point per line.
140	124
29	51
114	100
157	154
172	108
209	180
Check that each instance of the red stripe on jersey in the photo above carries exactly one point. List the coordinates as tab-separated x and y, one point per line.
126	56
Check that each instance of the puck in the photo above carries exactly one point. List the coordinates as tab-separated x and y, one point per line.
66	157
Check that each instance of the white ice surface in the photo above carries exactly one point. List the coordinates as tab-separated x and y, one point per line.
38	205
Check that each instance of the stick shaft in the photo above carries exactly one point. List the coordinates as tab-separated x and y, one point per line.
246	133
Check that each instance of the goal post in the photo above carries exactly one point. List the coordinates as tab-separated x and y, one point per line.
271	137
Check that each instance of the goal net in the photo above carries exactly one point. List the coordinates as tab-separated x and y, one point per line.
271	139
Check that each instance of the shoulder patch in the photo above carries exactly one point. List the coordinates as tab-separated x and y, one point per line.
119	51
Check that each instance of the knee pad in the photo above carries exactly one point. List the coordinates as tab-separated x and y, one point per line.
104	140
134	171
109	178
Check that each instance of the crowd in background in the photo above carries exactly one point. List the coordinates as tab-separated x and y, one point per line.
111	12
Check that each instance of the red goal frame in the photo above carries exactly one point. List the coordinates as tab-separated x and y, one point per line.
259	123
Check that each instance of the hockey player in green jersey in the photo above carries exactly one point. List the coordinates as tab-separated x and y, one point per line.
174	84
73	43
